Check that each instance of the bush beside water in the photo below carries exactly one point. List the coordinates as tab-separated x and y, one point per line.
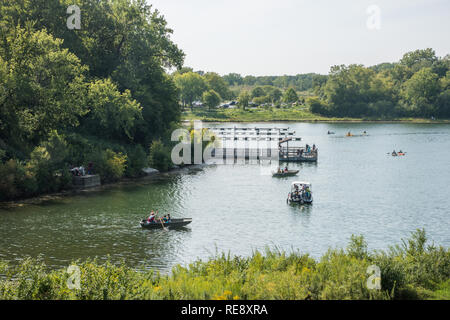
412	270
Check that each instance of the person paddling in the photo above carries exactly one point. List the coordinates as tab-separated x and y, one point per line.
152	217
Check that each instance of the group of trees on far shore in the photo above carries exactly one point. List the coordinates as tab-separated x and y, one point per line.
210	88
416	86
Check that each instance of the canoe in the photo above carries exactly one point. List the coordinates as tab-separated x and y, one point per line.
172	224
285	174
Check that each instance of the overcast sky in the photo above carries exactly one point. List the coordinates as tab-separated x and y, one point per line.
276	37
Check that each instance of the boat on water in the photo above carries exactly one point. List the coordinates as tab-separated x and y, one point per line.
171	224
398	154
283	173
300	193
296	153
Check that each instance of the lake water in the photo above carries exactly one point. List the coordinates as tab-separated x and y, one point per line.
358	189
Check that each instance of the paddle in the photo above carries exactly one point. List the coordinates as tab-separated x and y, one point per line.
162	223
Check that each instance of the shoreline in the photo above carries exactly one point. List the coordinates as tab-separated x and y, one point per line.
39	199
331	120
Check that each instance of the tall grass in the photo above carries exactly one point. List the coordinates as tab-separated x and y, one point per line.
412	270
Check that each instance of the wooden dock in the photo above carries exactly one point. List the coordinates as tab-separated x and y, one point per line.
259	144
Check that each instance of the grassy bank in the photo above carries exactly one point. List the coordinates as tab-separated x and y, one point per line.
299	114
412	270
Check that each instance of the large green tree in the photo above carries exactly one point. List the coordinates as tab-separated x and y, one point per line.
126	41
244	99
191	86
42	86
215	82
421	91
290	96
211	99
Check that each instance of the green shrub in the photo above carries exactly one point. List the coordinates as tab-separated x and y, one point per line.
109	165
159	157
317	106
339	274
137	159
17	181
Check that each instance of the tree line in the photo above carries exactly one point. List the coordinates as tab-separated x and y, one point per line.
211	89
416	86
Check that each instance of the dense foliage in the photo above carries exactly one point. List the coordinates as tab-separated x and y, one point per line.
417	86
101	92
413	270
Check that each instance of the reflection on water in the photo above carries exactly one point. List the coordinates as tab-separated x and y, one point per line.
358	189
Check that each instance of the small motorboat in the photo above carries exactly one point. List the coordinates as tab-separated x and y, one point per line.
285	173
171	224
300	193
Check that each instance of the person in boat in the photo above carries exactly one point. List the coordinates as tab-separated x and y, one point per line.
168	217
151	218
349	134
314	148
286	169
279	170
400	151
364	132
394	153
307	192
165	219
